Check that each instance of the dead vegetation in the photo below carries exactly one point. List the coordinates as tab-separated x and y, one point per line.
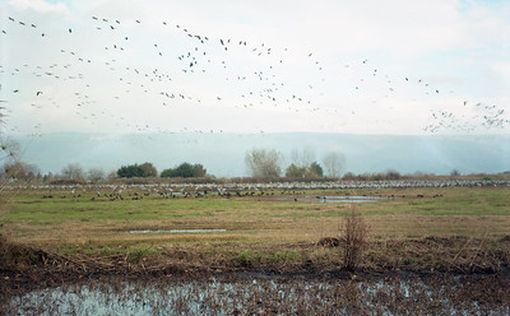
459	255
24	268
354	240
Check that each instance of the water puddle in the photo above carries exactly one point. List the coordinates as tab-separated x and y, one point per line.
349	198
178	231
336	198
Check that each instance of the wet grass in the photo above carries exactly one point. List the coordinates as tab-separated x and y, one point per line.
29	206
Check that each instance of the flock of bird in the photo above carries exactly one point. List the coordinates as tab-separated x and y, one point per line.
261	82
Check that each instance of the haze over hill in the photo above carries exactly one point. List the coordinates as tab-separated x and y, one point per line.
223	154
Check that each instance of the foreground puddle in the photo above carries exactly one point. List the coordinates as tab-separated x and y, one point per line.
336	198
268	295
178	231
349	198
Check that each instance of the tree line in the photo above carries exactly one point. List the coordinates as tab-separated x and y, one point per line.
147	169
260	163
17	170
267	163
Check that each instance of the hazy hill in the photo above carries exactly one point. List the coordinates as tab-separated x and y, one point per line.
223	154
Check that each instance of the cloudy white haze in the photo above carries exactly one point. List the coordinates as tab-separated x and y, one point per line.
364	67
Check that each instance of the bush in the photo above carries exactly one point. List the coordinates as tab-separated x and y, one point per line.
144	170
185	170
294	171
312	171
245	258
392	174
354	240
455	173
315	170
349	176
148	170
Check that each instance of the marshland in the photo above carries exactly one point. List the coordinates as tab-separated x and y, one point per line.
254	158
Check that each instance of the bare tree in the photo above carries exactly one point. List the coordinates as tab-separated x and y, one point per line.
9	149
308	156
73	171
96	174
9	153
334	164
304	157
20	171
112	175
264	162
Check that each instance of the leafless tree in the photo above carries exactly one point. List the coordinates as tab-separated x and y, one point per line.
19	170
304	157
73	171
334	164
9	154
264	162
96	174
112	175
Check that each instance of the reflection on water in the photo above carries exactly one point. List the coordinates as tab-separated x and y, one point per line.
261	295
349	198
335	198
178	231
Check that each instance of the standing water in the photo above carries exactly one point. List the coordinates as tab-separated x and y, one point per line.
262	295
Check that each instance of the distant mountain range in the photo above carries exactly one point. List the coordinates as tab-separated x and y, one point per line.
223	154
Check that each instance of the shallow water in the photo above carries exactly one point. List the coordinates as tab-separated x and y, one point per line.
349	198
334	198
178	231
256	295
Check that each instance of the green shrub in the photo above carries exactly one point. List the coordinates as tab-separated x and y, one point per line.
185	170
144	170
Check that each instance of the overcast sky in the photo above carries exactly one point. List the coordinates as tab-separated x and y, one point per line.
369	67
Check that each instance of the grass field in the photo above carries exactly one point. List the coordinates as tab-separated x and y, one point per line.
275	228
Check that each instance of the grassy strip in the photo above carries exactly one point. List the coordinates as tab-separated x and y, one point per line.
455	254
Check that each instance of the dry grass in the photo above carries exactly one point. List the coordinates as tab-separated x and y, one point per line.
274	233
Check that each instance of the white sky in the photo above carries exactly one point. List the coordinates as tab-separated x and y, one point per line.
460	48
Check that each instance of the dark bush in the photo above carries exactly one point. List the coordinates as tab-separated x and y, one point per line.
313	171
144	170
392	175
185	170
294	171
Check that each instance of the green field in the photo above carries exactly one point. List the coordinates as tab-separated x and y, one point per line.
270	227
